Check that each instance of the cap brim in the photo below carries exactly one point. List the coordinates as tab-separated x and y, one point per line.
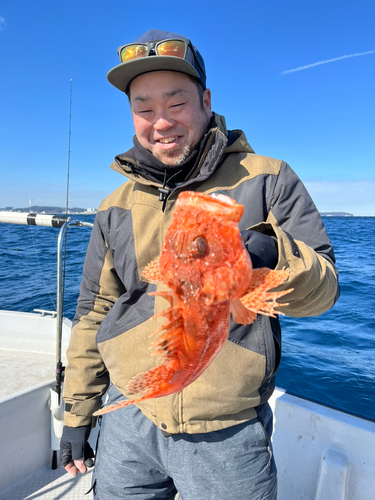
120	76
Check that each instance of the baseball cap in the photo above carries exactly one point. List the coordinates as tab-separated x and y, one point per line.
151	59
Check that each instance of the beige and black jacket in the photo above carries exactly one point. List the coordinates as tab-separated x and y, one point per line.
110	337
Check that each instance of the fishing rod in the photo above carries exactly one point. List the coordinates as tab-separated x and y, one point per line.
56	403
70	134
61	268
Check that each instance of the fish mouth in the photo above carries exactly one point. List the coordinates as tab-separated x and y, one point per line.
220	205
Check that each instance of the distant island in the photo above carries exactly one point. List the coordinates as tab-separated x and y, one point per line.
336	214
50	210
75	210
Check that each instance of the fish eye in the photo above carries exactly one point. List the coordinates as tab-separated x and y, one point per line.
200	246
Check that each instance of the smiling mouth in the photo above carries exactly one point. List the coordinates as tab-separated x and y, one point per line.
168	140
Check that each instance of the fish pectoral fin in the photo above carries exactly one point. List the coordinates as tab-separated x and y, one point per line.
152	272
258	297
241	314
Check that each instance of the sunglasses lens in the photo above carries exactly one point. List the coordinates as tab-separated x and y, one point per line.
173	48
133	52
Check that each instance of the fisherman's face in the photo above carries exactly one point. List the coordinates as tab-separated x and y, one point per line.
169	120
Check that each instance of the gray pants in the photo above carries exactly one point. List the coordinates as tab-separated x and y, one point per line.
135	459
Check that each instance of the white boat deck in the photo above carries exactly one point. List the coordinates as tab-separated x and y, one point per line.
47	484
28	359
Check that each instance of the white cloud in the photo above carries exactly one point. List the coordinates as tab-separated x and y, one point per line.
326	62
355	197
3	24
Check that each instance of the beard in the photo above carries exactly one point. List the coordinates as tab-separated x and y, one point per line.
175	156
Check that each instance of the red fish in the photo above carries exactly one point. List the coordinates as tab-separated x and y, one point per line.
205	264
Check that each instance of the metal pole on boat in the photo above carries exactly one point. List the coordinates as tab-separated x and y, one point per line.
56	406
59	300
56	403
59	310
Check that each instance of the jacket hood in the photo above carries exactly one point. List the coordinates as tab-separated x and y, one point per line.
232	141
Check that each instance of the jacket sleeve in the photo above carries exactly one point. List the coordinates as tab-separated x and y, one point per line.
304	247
86	377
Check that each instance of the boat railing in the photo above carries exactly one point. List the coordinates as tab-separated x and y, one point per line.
43	312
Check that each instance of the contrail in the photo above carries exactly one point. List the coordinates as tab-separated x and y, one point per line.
326	62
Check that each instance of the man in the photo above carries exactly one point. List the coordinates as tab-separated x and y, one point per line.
212	441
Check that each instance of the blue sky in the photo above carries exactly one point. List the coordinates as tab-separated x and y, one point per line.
319	118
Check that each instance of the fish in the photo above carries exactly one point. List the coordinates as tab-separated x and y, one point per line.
209	274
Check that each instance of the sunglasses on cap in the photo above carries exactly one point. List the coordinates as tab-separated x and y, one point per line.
171	47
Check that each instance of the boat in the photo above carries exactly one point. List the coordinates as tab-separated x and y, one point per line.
321	453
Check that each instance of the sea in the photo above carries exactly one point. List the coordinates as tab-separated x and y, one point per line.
328	359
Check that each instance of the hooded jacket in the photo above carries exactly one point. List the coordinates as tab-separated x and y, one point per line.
110	336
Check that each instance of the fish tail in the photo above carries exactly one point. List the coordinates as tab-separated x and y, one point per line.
152	384
153	381
117	406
